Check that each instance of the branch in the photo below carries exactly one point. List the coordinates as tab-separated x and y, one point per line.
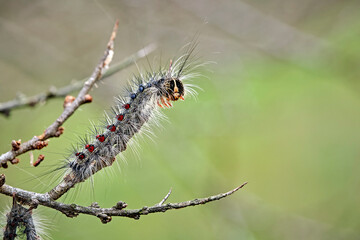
105	214
22	101
71	104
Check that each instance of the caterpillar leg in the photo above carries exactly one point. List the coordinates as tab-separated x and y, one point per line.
164	103
168	101
159	104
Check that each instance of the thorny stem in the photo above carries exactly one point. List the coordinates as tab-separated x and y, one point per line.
105	214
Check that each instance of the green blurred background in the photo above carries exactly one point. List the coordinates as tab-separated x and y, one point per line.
280	109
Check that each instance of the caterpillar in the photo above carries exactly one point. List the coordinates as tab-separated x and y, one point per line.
19	222
146	94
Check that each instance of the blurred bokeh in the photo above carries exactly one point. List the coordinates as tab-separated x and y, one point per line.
280	109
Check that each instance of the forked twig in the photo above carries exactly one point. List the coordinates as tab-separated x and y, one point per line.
105	214
53	92
165	198
72	104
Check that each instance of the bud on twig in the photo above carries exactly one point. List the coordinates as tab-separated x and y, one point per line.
59	131
15	161
40	144
15	144
68	101
4	165
120	205
39	160
88	98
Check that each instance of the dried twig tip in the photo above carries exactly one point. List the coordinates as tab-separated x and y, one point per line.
235	189
39	160
165	198
113	34
109	53
242	185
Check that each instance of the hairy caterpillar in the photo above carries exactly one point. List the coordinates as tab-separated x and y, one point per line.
148	92
20	222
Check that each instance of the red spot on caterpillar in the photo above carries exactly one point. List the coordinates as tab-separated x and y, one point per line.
101	138
80	155
112	128
127	106
89	147
120	117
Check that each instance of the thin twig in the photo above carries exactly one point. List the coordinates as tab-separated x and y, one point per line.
22	101
55	129
105	214
165	198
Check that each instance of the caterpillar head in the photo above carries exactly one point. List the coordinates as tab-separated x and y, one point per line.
174	89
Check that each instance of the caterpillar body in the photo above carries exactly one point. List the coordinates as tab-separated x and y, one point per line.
147	93
19	222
